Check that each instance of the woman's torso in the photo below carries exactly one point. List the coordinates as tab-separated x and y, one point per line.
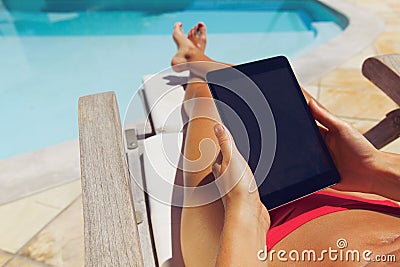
361	230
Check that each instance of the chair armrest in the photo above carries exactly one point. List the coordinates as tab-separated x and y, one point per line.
111	234
384	72
386	131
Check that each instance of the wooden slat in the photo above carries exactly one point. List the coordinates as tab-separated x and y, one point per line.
111	235
384	72
140	201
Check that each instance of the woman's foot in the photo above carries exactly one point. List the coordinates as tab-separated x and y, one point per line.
188	46
198	36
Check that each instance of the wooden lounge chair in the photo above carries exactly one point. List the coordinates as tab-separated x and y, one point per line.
384	72
116	215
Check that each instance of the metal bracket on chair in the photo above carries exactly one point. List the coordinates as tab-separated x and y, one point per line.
139	217
131	139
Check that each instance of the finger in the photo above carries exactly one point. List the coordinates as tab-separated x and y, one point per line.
323	116
224	141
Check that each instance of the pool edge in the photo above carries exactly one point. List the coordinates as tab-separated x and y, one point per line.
312	65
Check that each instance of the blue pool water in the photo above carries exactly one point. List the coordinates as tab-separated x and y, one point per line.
52	52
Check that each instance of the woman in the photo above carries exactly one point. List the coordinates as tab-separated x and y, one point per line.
232	231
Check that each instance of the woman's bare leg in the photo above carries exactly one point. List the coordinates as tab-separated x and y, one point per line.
200	226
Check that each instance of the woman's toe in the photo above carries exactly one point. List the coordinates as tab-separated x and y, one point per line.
202	29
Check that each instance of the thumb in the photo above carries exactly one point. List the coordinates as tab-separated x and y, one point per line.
224	141
323	116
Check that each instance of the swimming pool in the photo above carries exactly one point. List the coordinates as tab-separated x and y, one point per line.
55	52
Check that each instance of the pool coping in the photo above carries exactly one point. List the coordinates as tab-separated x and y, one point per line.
30	173
312	65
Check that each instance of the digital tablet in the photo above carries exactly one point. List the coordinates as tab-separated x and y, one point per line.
262	105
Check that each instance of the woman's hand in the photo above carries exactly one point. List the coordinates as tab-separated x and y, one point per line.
355	157
235	178
246	218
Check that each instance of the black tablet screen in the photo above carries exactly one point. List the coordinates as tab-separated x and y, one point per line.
300	162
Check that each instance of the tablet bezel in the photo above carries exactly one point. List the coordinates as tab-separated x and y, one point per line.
307	186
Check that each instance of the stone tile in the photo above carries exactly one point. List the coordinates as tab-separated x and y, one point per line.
388	47
355	103
315	83
356	61
61	243
347	79
392	22
312	90
22	219
23	262
395	5
61	196
42	170
4	257
385	36
388	42
379	7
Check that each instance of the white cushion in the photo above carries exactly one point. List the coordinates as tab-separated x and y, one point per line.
160	158
164	94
